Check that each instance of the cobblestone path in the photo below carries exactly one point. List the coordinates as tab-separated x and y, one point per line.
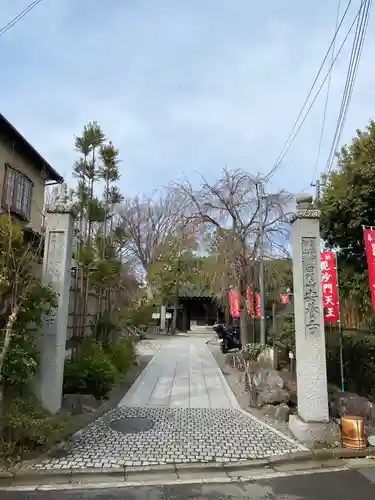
180	410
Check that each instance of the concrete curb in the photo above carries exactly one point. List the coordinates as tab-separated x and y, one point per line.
54	476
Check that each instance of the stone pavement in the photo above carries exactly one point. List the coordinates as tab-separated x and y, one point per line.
180	410
183	374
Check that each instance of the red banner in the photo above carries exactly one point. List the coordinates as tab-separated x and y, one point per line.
257	305
369	235
234	303
284	298
250	301
329	287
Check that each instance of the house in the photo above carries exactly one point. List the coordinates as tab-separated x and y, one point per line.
24	175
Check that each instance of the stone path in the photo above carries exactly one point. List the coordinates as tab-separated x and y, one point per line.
183	374
180	410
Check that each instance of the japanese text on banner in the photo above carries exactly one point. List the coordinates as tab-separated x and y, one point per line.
329	287
369	235
234	303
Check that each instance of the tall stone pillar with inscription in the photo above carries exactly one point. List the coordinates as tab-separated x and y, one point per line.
56	271
312	424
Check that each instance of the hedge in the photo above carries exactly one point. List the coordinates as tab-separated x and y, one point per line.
359	362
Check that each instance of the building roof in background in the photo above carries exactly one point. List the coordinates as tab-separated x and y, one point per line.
23	146
195	291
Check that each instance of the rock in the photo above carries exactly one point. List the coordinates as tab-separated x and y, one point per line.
267	376
282	412
77	404
269	410
272	395
350	403
371	440
267	356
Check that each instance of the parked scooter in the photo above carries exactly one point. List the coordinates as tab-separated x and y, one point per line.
229	337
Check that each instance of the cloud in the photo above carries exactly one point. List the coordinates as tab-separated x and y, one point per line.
179	87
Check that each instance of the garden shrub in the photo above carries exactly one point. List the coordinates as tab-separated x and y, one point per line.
91	373
358	355
106	329
285	332
22	357
122	355
27	426
359	362
251	351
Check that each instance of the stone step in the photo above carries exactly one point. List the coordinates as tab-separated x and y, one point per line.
201	329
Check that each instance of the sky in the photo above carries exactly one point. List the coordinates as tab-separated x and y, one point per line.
180	87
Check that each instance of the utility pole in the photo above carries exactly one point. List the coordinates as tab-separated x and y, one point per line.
319	184
177	291
261	266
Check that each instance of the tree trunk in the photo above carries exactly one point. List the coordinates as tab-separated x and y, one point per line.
5	348
243	312
244	326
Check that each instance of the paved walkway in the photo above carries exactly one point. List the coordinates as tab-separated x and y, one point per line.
180	410
183	374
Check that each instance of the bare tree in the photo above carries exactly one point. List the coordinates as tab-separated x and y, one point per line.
148	223
231	209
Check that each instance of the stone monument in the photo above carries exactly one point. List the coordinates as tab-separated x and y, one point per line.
312	424
56	271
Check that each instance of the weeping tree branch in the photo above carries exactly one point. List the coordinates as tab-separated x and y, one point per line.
230	208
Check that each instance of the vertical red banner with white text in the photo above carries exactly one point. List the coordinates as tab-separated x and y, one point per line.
257	305
250	301
234	303
369	236
329	287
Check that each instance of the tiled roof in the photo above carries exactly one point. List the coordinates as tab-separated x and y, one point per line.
195	291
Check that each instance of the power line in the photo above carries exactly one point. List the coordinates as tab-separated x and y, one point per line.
326	101
349	83
289	141
19	17
318	91
355	58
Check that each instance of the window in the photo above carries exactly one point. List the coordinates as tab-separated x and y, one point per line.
17	192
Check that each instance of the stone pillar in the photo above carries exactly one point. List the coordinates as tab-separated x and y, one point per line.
163	311
52	339
312	422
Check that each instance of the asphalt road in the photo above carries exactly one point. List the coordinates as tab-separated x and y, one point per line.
343	485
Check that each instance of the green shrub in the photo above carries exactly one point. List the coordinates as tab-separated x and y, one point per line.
251	351
359	362
122	355
92	373
106	328
358	356
22	357
27	426
285	331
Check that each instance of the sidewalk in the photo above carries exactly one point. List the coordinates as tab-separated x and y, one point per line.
180	410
